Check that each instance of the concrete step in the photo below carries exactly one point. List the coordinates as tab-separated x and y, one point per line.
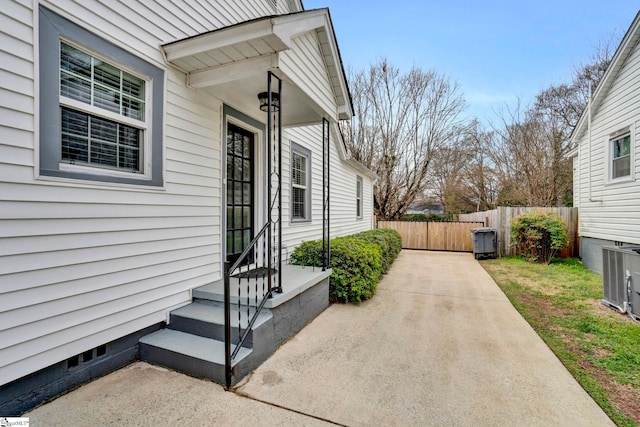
193	342
191	354
206	319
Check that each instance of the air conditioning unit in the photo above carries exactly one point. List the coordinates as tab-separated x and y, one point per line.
621	279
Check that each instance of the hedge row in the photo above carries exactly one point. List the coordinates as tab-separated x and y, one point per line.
357	262
427	217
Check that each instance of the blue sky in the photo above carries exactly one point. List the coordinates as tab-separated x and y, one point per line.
496	50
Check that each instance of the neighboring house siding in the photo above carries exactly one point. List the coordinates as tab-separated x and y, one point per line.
609	208
614	218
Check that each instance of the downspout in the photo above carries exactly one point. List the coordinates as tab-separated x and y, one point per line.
591	199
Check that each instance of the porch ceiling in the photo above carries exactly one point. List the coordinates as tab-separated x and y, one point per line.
232	63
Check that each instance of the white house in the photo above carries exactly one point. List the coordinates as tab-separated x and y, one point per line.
606	156
136	159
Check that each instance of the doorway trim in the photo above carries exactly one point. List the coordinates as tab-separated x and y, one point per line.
237	118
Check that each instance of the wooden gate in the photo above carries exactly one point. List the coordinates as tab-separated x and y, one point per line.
436	236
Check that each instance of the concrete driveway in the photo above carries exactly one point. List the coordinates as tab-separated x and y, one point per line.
439	344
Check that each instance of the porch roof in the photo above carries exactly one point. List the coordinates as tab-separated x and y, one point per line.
231	61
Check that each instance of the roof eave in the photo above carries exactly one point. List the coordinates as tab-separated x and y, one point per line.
623	51
276	34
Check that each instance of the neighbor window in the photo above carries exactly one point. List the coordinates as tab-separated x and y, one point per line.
621	156
100	120
300	183
358	196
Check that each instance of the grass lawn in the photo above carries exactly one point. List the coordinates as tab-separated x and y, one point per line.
599	346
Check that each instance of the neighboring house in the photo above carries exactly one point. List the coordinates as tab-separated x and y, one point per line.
607	155
135	160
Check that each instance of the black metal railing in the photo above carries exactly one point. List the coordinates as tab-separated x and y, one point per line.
252	287
257	273
326	217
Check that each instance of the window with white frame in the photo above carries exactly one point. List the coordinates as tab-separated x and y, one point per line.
621	156
102	112
300	183
358	196
100	119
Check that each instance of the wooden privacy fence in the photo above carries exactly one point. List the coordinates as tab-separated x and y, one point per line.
500	219
436	236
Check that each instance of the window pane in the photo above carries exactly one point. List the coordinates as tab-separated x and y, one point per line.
75	149
129	140
298	203
237	241
246	194
358	196
246	170
129	158
298	169
237	168
94	140
237	193
132	86
246	217
106	75
622	147
75	87
622	167
229	143
103	154
239	145
230	223
129	136
106	98
104	130
246	146
132	108
230	242
111	88
74	61
75	122
237	220
75	141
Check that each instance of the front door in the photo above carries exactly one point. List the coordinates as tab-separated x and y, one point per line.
240	191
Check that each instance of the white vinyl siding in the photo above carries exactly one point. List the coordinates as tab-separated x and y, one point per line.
343	189
305	62
84	263
612	212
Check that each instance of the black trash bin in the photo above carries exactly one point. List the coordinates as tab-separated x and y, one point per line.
484	242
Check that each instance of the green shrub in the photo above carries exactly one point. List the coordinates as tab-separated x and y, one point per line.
538	235
389	241
356	266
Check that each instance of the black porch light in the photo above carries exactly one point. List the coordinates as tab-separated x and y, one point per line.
263	97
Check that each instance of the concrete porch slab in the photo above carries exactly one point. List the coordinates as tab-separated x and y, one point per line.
295	281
